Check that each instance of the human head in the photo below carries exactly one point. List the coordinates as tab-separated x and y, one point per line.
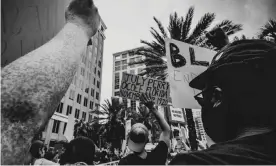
37	149
138	138
80	149
84	13
238	89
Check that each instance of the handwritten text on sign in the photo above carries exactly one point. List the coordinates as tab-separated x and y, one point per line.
177	114
185	62
132	86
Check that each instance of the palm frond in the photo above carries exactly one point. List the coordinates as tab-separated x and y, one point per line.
268	30
161	28
175	26
201	26
186	27
157	36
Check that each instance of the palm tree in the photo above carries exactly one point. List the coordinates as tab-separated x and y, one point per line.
179	29
113	127
268	31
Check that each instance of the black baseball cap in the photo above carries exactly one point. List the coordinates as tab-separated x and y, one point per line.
238	53
138	137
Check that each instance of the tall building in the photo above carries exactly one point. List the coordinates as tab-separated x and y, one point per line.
199	124
120	66
83	95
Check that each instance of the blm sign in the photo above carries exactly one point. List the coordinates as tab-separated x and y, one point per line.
132	86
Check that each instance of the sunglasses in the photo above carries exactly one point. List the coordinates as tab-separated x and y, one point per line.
208	96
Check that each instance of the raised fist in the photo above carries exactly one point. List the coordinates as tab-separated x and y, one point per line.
84	13
217	38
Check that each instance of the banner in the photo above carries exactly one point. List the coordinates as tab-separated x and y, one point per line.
177	115
132	86
185	62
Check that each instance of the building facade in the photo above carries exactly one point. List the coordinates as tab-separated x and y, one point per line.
83	95
25	26
120	65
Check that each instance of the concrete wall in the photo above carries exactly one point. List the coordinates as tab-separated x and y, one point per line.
27	24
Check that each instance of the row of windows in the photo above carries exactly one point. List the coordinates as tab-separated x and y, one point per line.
124	55
88	75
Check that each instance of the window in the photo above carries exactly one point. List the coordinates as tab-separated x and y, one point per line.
77	113
75	80
97	106
85	102
87	89
131	53
117	57
91	105
132	71
82	71
84	116
71	94
95	70
124	55
97	95
64	128
94	81
131	60
117	93
100	64
69	110
82	85
99	74
140	70
90	77
138	59
133	104
124	62
117	63
117	80
56	126
124	67
98	84
90	118
92	92
79	99
117	68
59	108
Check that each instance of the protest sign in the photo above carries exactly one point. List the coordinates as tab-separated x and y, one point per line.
132	86
177	115
185	62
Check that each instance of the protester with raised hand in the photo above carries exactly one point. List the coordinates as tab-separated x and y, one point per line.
34	84
238	106
138	138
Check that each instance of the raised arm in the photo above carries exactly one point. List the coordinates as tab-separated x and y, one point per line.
165	135
33	85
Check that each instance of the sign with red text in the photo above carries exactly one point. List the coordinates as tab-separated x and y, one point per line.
185	62
132	86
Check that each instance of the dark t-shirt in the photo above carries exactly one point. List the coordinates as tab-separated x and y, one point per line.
257	149
157	156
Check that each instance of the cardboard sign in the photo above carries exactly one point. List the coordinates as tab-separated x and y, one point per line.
132	86
185	62
177	115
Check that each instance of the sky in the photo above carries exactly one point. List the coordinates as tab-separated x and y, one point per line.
129	21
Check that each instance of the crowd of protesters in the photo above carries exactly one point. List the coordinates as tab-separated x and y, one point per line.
237	99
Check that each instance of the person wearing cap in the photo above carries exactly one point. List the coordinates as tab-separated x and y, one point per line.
238	106
138	138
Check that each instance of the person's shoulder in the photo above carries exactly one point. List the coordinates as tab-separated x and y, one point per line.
127	159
